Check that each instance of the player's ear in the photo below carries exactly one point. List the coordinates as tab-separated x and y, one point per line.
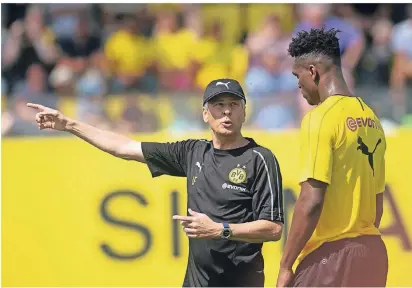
314	73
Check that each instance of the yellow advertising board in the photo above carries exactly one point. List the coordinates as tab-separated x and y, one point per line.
75	216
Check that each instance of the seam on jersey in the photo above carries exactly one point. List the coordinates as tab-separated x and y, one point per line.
270	184
197	144
193	148
277	169
357	98
320	128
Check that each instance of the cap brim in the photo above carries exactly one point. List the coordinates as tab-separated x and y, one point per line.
210	97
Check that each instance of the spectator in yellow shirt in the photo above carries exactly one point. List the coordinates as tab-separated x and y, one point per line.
129	57
173	48
214	59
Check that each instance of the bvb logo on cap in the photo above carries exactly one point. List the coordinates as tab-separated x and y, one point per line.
237	175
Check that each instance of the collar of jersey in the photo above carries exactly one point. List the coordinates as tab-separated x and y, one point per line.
251	143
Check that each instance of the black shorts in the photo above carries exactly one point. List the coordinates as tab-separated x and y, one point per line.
350	262
224	273
243	279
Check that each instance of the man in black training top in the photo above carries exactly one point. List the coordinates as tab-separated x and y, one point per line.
234	186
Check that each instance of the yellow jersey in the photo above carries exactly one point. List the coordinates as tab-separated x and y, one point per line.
343	144
131	53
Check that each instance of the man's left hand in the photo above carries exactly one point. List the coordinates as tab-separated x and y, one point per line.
199	226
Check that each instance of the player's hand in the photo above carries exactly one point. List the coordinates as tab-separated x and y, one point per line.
48	118
285	277
199	225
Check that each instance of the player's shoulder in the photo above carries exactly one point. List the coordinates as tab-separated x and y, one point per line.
263	153
264	158
326	114
331	106
187	145
196	143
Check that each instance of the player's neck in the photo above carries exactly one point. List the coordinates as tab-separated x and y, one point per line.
335	85
228	142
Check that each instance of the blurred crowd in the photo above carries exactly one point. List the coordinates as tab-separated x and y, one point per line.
142	67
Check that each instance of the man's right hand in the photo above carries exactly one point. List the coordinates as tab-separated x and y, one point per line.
48	118
112	143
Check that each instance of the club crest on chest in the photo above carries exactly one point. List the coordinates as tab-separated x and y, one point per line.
238	174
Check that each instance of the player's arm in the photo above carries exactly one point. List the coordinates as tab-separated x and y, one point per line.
267	203
161	158
316	165
305	218
200	226
112	143
258	231
107	141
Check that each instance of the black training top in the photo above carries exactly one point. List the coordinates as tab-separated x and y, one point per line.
235	186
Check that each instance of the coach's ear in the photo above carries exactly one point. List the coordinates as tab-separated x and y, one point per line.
205	115
244	114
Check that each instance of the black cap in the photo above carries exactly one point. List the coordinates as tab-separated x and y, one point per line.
222	86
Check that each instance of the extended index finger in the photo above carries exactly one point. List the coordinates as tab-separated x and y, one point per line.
35	106
183	218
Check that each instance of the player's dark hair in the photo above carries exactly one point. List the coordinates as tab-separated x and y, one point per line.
316	42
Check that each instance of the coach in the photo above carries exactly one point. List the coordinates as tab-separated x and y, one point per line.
234	186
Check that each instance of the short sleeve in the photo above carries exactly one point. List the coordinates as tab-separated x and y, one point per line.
316	151
167	158
267	199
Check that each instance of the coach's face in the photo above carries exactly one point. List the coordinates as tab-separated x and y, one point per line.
308	80
225	114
